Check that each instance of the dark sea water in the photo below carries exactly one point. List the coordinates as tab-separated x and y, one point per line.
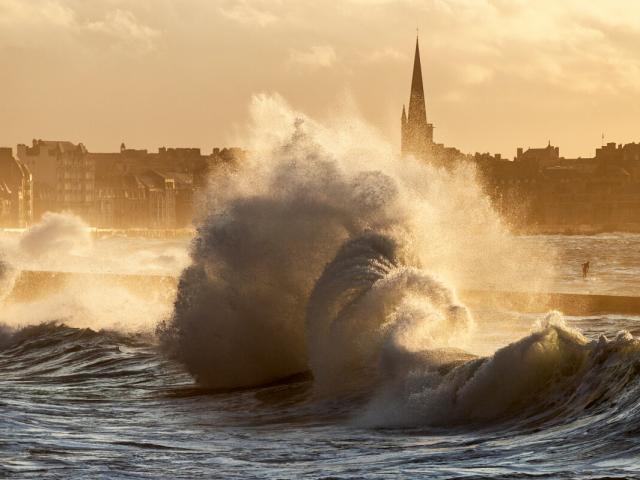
555	403
614	262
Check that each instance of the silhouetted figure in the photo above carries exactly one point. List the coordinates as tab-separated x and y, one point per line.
585	269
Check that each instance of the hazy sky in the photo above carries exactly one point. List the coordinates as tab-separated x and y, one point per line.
498	73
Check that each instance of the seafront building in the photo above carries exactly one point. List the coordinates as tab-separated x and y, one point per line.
63	176
538	190
16	191
126	189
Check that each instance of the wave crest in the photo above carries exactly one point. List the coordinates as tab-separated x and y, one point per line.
369	312
239	314
323	254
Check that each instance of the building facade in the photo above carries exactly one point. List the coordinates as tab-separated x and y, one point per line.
16	191
141	189
63	177
540	191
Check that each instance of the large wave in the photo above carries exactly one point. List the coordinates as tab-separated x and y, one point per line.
373	322
371	314
326	253
552	376
239	313
240	318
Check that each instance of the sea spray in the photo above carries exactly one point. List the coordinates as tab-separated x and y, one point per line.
8	275
62	242
281	217
239	314
552	375
371	313
55	234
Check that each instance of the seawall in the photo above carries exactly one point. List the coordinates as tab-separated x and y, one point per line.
30	285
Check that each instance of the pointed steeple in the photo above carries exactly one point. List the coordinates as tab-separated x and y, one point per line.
403	129
417	133
417	108
416	81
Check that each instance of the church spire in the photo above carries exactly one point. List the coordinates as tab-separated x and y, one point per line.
417	108
417	134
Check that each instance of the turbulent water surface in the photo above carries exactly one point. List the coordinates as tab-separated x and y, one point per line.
317	332
90	404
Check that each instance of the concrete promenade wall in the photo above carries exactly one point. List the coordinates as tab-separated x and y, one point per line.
30	285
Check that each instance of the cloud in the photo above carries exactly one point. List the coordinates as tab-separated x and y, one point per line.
316	56
249	13
28	23
43	24
482	59
583	47
386	54
123	26
474	74
15	13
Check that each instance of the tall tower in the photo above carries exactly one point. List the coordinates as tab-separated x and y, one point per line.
416	132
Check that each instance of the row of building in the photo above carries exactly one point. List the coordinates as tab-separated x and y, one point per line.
538	190
126	189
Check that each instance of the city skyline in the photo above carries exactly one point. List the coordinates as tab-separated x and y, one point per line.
122	64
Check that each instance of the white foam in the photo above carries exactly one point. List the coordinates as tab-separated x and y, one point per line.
274	224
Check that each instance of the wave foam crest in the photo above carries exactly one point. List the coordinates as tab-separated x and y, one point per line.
306	189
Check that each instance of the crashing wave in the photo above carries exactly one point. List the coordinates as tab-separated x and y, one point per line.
369	314
324	255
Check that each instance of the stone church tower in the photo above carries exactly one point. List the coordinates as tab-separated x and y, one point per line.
417	133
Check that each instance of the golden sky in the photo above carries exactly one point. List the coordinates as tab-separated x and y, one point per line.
498	73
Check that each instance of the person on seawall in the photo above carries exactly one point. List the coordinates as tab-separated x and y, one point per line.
585	269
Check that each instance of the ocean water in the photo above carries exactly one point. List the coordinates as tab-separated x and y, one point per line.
90	403
614	262
316	331
86	404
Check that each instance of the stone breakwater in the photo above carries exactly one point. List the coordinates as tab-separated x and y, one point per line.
30	285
